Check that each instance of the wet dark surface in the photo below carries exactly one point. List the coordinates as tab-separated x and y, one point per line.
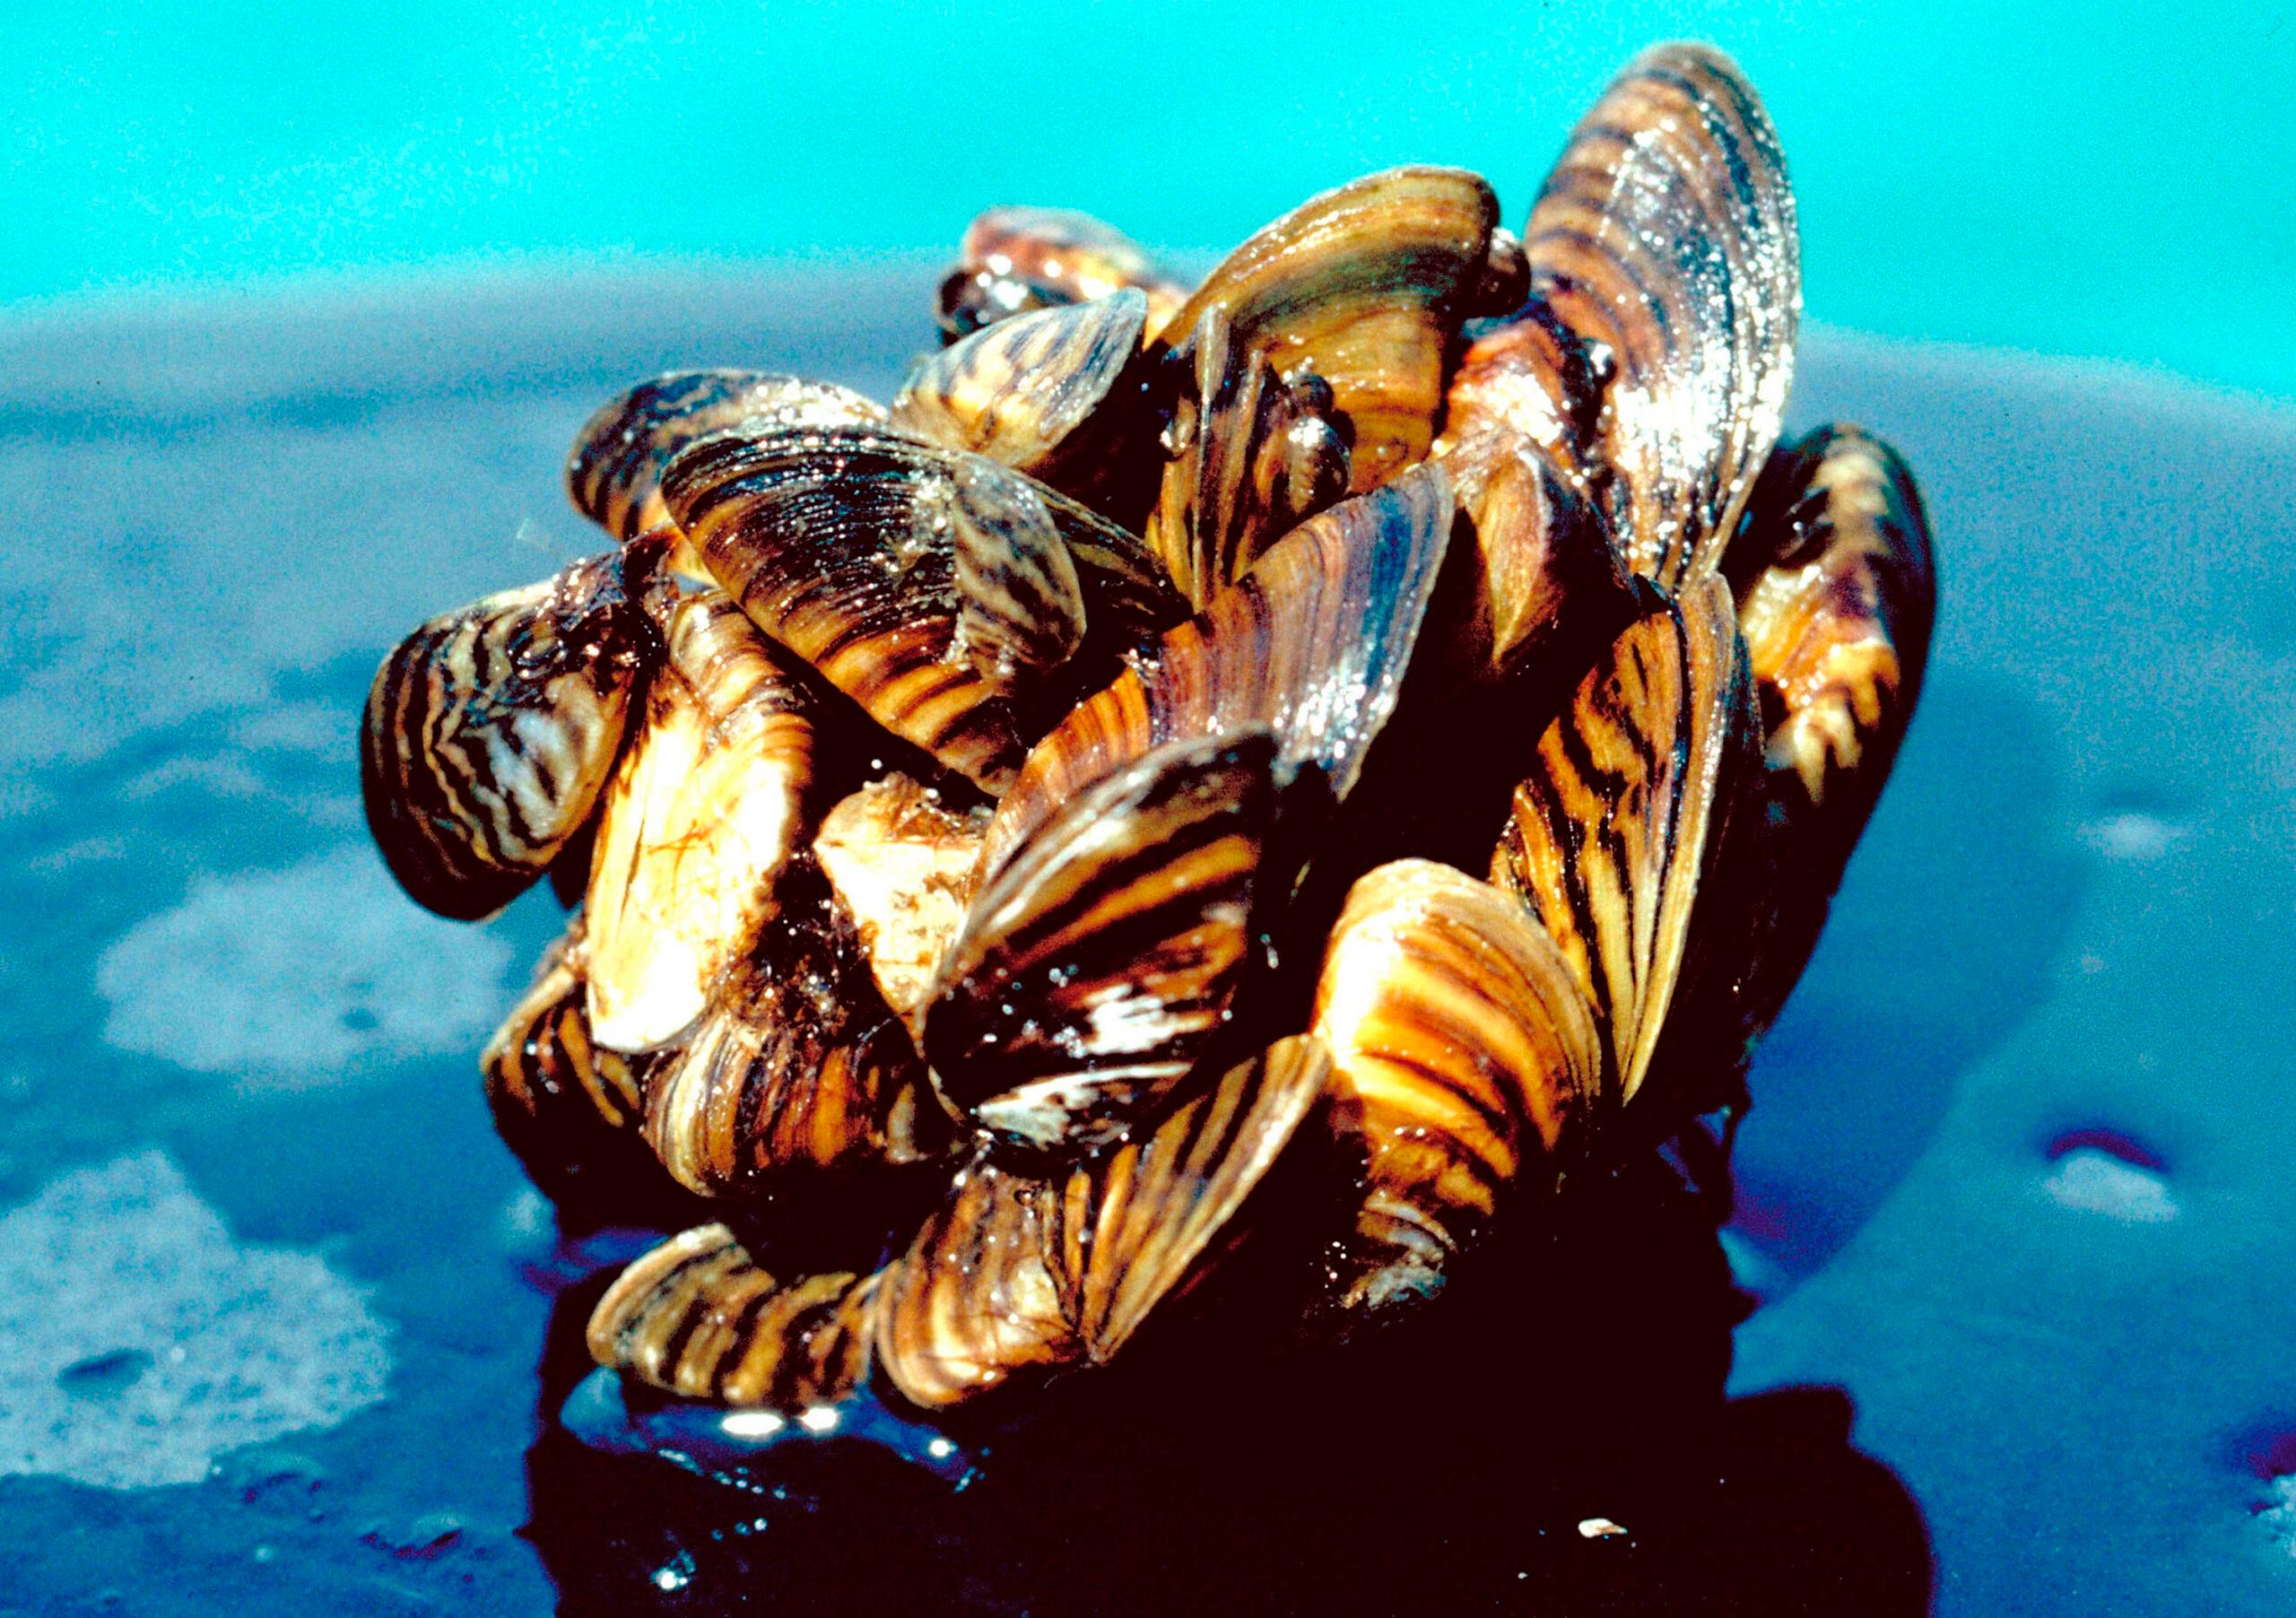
287	1331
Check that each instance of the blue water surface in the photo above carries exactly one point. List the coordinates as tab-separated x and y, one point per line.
2101	179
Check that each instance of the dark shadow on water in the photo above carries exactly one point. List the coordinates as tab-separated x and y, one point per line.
1440	1469
1942	940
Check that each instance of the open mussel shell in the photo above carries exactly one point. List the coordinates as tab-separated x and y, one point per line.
1367	286
704	811
1312	642
1666	239
1020	390
489	733
1254	453
1615	825
701	1318
614	471
1096	966
904	867
935	588
1017	259
796	1065
1466	1060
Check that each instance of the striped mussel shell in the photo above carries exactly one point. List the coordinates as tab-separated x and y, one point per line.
796	1065
489	732
1467	1068
1313	642
1836	593
1057	393
937	588
1023	1274
613	473
1367	286
1096	966
701	1318
1254	453
1014	260
708	802
1618	820
1665	241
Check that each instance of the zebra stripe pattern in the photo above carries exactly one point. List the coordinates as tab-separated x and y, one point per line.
1015	391
1466	1064
797	1063
1312	641
1092	970
489	733
1366	285
1665	236
1609	833
1259	453
613	473
698	1317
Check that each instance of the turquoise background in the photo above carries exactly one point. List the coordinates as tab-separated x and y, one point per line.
2106	180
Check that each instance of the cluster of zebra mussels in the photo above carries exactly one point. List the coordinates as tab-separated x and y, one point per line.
1035	839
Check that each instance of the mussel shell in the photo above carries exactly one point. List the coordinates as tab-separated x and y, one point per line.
1255	455
1466	1065
1366	285
1837	594
844	544
1665	235
1312	641
489	733
1021	1275
613	473
1019	391
568	1107
698	1317
904	868
1016	260
797	1065
705	811
1141	1223
1096	966
1614	826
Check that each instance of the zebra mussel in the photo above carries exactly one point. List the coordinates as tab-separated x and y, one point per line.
1298	766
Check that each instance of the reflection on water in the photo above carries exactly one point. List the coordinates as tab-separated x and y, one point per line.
1443	1467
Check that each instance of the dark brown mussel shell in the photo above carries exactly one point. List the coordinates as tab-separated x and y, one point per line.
1664	241
1313	642
1016	260
1055	392
937	588
1254	453
1097	965
614	472
489	732
1366	286
704	811
1466	1064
